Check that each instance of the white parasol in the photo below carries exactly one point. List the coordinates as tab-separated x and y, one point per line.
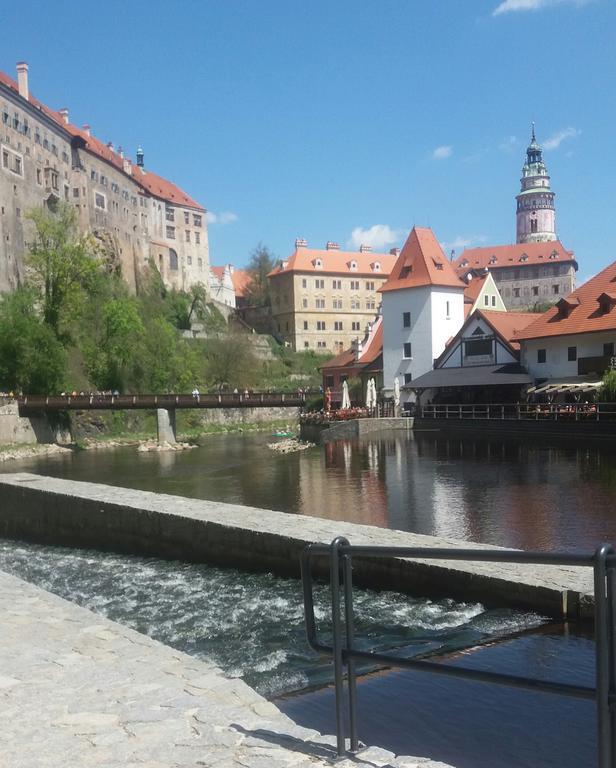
346	400
396	391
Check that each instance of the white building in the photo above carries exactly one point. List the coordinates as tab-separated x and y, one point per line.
423	307
576	338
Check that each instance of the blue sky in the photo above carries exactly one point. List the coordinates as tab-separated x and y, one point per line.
349	120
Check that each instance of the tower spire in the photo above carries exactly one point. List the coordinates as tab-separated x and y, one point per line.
532	138
535	216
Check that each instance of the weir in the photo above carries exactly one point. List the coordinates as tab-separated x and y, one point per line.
57	511
166	431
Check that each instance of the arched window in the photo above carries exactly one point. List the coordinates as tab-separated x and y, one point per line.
173	259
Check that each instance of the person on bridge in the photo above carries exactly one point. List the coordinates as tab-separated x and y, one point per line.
195	393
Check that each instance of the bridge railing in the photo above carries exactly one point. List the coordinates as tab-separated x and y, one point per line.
345	652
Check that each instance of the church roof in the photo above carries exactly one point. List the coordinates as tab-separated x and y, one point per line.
421	263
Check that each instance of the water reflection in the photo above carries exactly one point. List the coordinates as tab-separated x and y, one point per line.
519	493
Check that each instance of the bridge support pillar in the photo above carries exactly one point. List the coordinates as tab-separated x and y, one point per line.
165	425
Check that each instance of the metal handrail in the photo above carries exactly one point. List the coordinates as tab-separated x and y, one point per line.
340	553
521	411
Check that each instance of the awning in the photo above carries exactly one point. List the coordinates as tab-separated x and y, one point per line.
473	376
572	384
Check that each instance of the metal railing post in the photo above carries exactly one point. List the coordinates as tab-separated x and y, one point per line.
603	672
349	621
334	574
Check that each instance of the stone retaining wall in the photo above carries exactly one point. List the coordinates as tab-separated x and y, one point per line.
248	415
603	430
72	513
347	430
26	430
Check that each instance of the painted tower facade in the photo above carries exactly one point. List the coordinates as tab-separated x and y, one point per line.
536	216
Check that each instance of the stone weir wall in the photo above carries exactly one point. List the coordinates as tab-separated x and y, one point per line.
57	511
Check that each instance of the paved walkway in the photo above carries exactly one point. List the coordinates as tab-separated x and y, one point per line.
79	691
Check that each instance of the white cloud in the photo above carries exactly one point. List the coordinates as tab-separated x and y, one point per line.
508	6
379	236
459	242
442	153
556	139
509	144
226	217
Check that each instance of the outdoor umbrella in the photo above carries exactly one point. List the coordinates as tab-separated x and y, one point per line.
396	391
346	400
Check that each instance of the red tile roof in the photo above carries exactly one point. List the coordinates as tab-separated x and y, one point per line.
513	256
375	345
335	262
149	181
473	289
421	262
509	324
340	361
241	282
584	313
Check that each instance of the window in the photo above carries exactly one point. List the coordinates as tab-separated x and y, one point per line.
198	238
408	378
304	303
486	300
407	350
406	319
75	191
39	176
337	303
571	354
516	293
319	284
320	325
338	325
533	225
5	159
355	285
187	235
304	283
321	344
305	325
478	347
355	326
337	285
173	259
608	349
306	344
171	233
555	289
370	285
405	272
447	309
169	213
186	217
355	304
493	301
320	303
200	262
541	355
329	381
371	304
99	201
196	219
535	290
189	261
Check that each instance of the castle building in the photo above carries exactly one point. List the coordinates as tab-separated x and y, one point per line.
324	299
136	215
537	269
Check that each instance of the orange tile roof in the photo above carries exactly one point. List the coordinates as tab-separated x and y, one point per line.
510	255
335	262
149	181
584	315
509	324
340	361
473	289
375	346
241	282
218	271
421	262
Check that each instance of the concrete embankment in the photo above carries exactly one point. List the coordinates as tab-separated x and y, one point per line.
57	511
346	430
531	428
78	690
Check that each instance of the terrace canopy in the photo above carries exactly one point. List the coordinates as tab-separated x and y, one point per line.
511	374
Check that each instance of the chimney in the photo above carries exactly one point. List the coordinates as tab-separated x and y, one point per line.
452	255
64	114
365	248
300	242
110	145
22	79
86	129
120	151
394	251
331	246
127	167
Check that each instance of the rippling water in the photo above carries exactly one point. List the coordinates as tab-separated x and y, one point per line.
530	494
251	625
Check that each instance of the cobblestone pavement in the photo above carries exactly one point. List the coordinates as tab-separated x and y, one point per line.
79	691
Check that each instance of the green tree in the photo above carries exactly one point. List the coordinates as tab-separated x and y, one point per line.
230	362
607	393
261	263
32	359
61	263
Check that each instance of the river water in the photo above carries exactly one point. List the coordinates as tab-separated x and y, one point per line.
529	495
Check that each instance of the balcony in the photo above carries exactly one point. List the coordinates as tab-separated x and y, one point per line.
598	364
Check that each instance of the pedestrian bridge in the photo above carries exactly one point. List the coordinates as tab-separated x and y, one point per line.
164	404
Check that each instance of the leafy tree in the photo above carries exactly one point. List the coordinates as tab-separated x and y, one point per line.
32	359
230	362
607	393
62	264
261	263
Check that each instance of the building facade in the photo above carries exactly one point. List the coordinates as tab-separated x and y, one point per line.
423	307
135	215
324	299
537	270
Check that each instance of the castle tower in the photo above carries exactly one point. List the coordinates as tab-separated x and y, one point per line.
535	217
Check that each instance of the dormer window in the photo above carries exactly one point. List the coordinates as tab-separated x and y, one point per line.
318	263
437	264
566	306
353	266
554	255
376	267
492	260
524	257
405	272
606	302
464	264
